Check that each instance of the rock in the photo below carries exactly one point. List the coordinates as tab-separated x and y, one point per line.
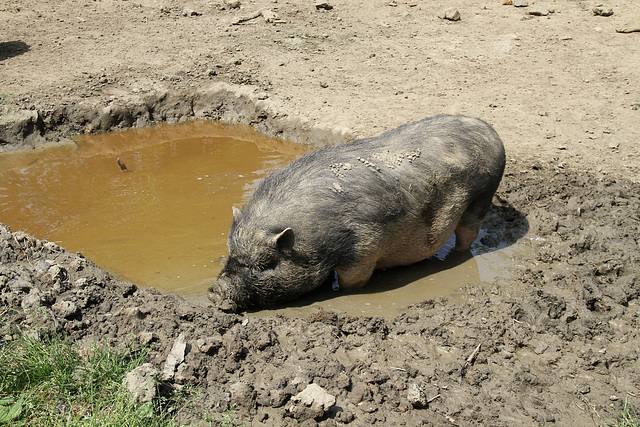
343	381
190	12
32	300
209	345
66	309
146	338
142	382
312	402
133	312
538	10
450	14
278	398
520	3
602	11
269	16
232	4
320	4
175	357
19	285
416	396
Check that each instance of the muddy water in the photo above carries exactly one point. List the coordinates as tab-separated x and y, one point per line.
163	223
390	291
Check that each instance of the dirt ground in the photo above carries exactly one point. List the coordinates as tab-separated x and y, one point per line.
556	343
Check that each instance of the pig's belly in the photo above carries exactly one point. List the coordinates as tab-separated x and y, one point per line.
413	244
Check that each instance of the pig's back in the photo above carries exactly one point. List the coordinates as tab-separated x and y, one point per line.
381	184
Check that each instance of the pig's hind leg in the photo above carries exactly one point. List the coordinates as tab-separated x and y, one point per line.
356	276
470	222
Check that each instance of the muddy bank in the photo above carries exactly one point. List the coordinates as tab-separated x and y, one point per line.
556	343
26	129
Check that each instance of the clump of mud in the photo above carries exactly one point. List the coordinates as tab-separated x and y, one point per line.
559	341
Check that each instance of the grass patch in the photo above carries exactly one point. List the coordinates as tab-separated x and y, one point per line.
628	417
50	382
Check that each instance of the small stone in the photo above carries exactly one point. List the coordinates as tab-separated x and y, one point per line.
269	16
343	381
32	300
312	402
541	348
320	4
520	3
416	396
190	12
277	398
450	14
142	382
209	345
538	10
584	388
146	338
175	357
602	11
66	309
19	285
232	4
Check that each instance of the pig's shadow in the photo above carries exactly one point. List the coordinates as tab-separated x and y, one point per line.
502	228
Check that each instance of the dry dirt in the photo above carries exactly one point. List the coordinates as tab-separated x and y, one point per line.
556	343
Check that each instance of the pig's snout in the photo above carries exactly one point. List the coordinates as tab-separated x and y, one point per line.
219	295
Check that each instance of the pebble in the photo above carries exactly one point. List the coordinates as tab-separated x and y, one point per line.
175	357
538	10
190	12
232	4
270	16
451	14
602	11
320	4
142	383
416	396
66	309
312	402
520	3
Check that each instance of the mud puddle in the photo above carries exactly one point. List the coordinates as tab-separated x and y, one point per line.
163	222
391	291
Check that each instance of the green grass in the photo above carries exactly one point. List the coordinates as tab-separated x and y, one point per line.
50	382
628	417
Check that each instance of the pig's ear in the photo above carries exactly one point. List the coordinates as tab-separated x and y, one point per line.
237	214
283	240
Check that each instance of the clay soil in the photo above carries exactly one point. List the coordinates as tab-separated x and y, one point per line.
557	342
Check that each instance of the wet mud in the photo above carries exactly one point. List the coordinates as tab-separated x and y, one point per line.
555	341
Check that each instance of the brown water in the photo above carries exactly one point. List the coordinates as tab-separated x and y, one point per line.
164	223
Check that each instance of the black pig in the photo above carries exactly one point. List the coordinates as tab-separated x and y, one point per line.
346	210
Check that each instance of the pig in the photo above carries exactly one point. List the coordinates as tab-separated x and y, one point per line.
338	213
